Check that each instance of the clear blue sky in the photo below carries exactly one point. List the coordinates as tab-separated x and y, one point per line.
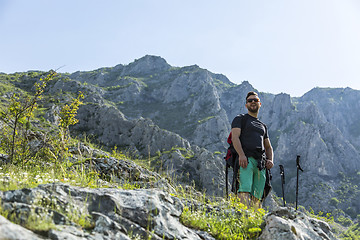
278	46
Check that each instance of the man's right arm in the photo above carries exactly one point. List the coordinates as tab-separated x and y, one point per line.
235	138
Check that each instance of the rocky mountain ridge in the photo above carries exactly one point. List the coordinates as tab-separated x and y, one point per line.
199	106
148	107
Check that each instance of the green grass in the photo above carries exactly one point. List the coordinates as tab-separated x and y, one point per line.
29	176
30	220
352	233
205	119
226	220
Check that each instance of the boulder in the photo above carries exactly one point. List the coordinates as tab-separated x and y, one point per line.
286	224
11	231
111	213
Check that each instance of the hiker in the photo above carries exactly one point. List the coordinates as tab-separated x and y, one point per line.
254	151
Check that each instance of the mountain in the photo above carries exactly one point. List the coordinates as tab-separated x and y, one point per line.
199	106
182	115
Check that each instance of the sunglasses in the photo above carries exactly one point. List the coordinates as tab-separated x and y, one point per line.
252	100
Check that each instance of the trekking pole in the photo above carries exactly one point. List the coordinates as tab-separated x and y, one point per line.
226	182
282	182
297	178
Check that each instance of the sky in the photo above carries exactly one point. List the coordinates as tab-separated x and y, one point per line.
279	46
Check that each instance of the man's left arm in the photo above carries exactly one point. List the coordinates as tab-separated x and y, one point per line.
269	153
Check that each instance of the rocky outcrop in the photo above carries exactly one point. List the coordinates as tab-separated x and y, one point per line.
146	65
110	213
60	211
287	224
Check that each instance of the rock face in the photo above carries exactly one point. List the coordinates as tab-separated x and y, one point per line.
140	134
181	100
144	138
307	129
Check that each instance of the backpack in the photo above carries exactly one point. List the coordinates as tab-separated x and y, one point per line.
231	159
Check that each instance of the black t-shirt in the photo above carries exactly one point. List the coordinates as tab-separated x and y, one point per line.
254	132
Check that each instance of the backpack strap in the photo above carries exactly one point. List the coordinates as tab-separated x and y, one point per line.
244	119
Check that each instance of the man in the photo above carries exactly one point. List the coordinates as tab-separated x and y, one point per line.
254	152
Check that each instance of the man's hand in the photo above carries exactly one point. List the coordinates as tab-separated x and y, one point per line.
269	164
243	161
269	153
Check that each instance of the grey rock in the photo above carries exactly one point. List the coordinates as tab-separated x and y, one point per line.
146	65
11	231
4	158
115	213
286	223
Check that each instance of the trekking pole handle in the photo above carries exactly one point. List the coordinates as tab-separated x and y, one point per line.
298	163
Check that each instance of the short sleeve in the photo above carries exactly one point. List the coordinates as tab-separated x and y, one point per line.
236	123
266	132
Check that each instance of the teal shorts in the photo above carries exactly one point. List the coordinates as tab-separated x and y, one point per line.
252	180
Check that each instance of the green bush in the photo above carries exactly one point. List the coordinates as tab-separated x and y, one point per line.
334	201
344	221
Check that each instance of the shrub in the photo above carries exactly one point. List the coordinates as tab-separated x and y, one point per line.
334	201
17	116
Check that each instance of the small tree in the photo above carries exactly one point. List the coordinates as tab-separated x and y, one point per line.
56	149
17	118
67	116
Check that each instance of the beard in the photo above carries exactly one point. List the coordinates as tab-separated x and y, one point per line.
253	109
